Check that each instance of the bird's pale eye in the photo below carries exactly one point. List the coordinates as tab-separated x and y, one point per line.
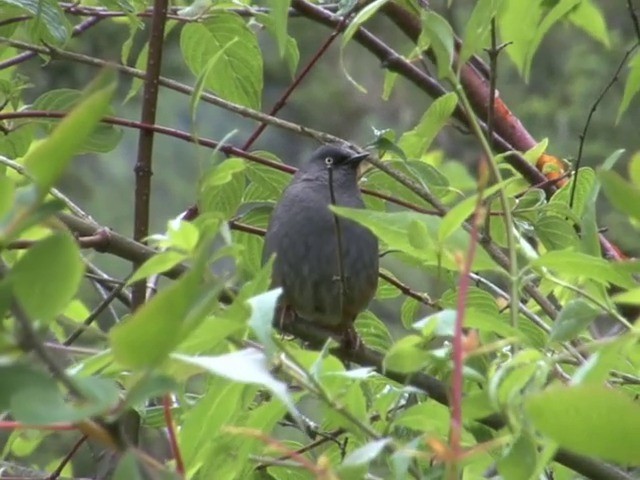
328	161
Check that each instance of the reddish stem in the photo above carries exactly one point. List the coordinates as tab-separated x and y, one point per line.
458	335
171	431
13	425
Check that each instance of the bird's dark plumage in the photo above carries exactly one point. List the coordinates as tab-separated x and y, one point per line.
302	235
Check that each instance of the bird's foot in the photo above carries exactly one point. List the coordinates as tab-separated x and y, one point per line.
350	340
285	316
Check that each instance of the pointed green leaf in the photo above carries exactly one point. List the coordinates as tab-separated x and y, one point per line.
476	33
415	142
440	35
238	73
47	276
280	15
623	195
589	419
147	337
48	159
574	317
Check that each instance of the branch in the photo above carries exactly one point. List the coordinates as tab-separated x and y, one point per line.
142	168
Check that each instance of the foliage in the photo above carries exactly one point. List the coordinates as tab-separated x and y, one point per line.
483	351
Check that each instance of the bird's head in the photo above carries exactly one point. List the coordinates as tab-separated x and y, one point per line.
338	158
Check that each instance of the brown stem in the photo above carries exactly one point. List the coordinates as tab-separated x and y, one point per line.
142	168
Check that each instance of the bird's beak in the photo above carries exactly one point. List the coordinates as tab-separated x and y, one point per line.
358	157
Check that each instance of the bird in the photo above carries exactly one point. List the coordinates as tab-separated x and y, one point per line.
318	285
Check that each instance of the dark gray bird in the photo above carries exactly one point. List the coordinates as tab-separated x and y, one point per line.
303	236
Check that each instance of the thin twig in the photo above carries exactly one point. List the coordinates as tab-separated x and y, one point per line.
592	110
67	458
95	313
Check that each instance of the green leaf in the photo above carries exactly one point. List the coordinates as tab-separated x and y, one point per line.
361	17
389	82
555	232
49	24
409	311
182	235
392	229
425	173
586	179
631	86
263	308
415	142
36	399
429	417
476	32
366	453
280	15
238	73
157	264
634	169
406	355
104	138
454	218
291	52
623	195
440	323
561	9
16	143
202	423
48	159
440	36
7	195
203	75
386	290
248	366
609	356
266	183
520	459
512	19
630	297
574	317
576	264
152	385
592	420
533	154
128	468
373	332
222	188
47	276
513	376
590	18
155	329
